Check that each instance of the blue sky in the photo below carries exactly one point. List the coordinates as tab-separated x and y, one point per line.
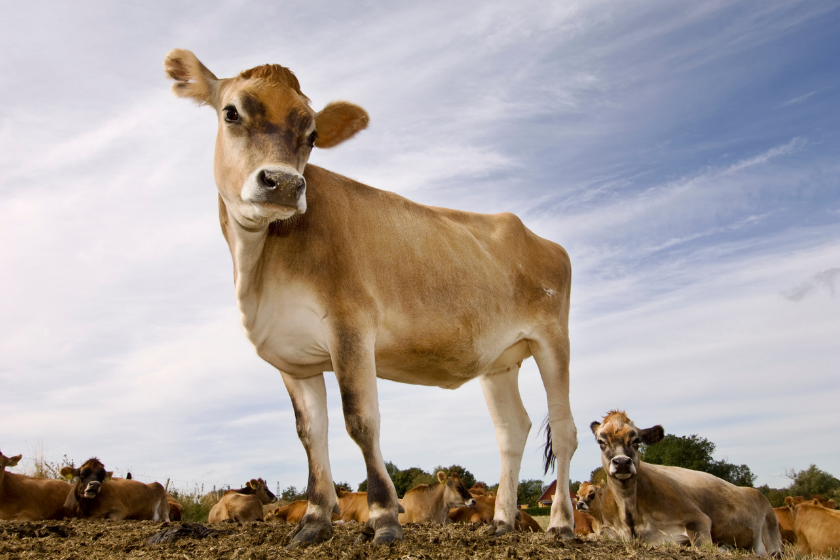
686	155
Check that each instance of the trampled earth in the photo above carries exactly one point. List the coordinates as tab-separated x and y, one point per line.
94	540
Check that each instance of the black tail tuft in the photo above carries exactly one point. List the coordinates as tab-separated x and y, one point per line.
548	454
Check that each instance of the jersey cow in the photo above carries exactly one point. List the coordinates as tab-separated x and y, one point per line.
816	526
245	504
655	503
24	498
431	502
97	495
334	275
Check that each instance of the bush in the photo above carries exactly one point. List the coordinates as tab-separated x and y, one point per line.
196	504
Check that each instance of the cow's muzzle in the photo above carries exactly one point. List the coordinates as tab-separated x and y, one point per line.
582	506
281	187
622	467
92	489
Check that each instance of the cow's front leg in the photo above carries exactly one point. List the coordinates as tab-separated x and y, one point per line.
309	400
501	391
355	372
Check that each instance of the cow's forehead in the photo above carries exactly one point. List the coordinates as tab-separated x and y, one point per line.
617	425
93	464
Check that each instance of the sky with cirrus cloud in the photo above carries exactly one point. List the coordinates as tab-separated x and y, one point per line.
686	156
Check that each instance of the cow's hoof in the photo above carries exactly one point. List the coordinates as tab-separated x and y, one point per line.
363	538
562	533
388	534
311	533
499	528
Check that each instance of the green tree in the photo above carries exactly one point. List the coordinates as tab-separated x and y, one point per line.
292	494
598	475
529	492
695	453
811	482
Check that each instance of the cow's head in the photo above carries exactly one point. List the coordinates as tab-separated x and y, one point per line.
261	490
619	440
455	492
587	494
266	132
89	478
7	462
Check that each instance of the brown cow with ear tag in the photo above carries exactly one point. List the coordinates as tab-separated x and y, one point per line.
96	495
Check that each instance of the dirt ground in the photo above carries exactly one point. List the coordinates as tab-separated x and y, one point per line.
93	540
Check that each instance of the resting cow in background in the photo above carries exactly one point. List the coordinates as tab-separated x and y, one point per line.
175	508
96	495
333	275
657	504
816	524
589	503
290	513
24	498
432	502
245	504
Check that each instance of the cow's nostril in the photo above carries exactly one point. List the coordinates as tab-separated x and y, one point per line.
268	180
301	188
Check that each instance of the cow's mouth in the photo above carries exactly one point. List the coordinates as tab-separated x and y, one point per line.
623	476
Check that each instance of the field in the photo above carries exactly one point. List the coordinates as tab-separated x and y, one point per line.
98	540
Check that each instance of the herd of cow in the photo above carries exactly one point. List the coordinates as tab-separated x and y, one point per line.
638	501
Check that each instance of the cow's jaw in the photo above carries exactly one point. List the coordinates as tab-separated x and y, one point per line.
92	489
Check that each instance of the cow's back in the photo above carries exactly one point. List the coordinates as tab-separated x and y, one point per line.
237	507
354	507
24	498
817	529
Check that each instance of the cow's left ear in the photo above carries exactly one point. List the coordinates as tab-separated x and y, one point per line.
254	483
337	122
594	427
14	460
652	435
441	476
109	475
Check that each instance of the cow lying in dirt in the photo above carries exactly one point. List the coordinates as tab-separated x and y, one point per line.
656	504
785	514
245	504
23	498
432	502
96	495
483	509
816	526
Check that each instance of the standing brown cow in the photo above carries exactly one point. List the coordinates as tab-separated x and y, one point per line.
24	498
333	275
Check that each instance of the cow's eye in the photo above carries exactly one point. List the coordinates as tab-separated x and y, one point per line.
231	115
312	138
636	442
602	443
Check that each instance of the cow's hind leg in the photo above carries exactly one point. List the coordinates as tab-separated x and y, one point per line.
501	391
309	400
552	357
355	372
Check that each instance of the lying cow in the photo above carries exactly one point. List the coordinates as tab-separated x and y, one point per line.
589	503
432	502
816	525
175	508
24	498
353	506
290	513
656	504
245	504
97	495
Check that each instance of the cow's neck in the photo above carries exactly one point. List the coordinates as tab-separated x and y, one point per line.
625	510
246	248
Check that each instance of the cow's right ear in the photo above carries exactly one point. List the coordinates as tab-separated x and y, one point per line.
68	472
192	78
14	460
441	476
789	502
254	483
594	427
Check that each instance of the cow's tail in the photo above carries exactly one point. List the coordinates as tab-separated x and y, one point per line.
548	454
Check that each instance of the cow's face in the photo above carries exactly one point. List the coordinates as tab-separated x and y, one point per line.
587	494
261	490
619	440
266	133
455	493
89	478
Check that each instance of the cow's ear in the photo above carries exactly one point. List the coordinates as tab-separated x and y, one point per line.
789	501
68	472
14	460
109	475
192	78
594	427
600	484
254	483
652	435
441	476
455	475
337	122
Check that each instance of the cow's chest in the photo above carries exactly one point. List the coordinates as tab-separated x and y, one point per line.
287	327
